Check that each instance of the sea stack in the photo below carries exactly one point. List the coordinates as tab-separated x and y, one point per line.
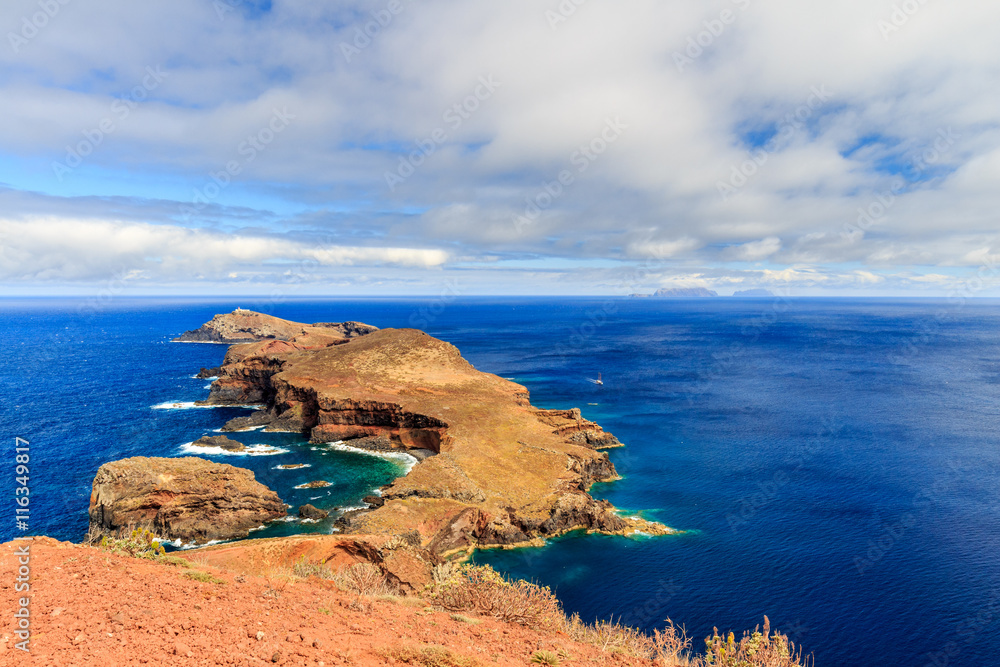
188	499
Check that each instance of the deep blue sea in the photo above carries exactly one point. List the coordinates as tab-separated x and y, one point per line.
835	463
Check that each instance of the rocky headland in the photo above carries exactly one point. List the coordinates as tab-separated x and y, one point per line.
493	470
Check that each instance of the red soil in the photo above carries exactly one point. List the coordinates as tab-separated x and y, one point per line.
89	607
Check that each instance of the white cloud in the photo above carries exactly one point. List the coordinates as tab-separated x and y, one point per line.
661	249
50	249
756	250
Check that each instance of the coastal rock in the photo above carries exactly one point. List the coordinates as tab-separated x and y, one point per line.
311	512
375	443
595	439
318	484
257	418
189	499
374	501
206	373
220	441
348	329
492	470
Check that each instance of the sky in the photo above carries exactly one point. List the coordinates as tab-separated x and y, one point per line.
573	147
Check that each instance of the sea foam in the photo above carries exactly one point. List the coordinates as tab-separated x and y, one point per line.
251	450
191	405
404	459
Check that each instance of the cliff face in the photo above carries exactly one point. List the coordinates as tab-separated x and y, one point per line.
502	471
190	499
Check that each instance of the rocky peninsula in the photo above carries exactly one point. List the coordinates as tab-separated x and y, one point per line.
492	469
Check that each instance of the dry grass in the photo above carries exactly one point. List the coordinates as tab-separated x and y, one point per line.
482	590
427	656
304	569
203	577
363	579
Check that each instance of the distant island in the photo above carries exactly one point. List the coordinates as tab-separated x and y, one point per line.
678	292
698	293
754	292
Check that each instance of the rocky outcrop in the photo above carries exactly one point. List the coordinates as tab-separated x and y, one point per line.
571	424
242	326
221	442
258	418
493	469
317	484
189	499
206	373
311	512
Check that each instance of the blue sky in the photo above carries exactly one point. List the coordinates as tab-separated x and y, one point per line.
394	147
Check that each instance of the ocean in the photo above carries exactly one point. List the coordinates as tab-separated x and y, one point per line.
833	463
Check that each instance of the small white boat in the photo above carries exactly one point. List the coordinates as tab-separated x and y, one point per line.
598	380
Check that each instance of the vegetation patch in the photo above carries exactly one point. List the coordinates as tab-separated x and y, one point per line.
484	591
428	656
203	577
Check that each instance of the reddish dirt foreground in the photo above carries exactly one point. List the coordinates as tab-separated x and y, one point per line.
89	607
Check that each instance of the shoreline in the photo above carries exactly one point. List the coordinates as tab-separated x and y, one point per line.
487	469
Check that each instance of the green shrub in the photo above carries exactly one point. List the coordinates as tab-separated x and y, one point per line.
136	542
755	649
